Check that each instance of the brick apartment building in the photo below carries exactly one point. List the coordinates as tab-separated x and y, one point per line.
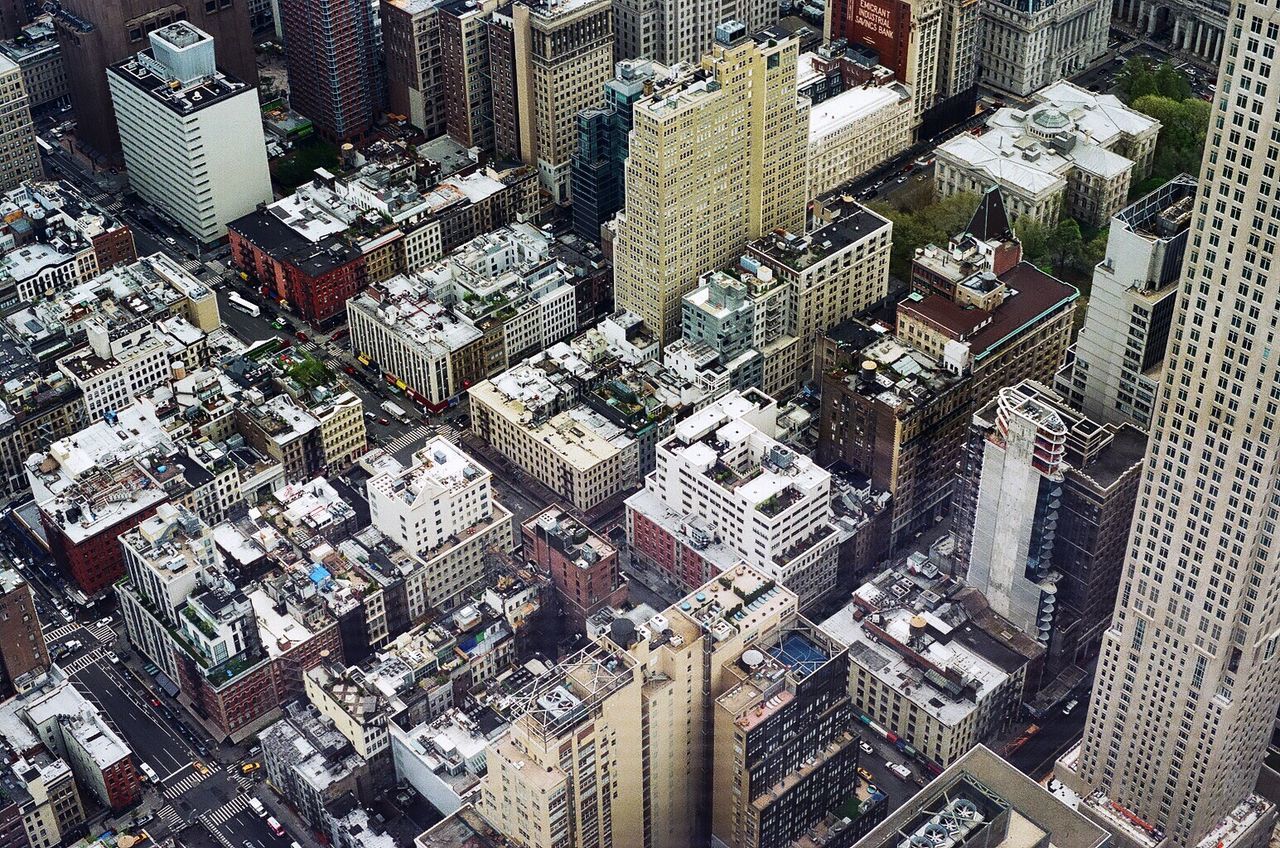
582	565
315	279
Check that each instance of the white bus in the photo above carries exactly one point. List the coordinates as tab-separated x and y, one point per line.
238	302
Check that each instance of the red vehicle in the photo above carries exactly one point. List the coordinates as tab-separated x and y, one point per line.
301	336
339	333
350	369
384	421
155	702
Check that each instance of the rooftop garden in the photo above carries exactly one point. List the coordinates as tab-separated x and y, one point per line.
775	504
309	372
231	669
200	624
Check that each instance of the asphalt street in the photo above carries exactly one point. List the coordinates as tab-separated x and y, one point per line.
148	731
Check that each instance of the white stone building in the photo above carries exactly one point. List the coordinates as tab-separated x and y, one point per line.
1027	44
854	131
191	136
1073	152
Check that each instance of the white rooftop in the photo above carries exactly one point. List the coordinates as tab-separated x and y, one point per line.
849	107
279	632
897	673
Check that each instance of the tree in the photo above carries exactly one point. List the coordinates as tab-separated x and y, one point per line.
1184	125
1066	247
1171	83
1136	79
935	223
1035	241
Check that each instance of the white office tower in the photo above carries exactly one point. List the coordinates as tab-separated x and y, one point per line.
1016	519
191	135
1189	676
1117	362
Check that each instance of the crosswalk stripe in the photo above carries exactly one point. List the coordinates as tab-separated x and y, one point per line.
60	632
171	817
217	834
232	808
104	634
82	662
184	785
417	434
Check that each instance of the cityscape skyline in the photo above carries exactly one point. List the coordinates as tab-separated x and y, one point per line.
636	424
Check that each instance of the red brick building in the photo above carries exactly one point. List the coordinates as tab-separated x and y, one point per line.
124	785
90	556
240	705
114	246
314	279
23	655
582	565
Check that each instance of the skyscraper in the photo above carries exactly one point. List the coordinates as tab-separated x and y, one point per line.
18	157
1188	680
601	154
415	77
560	56
96	33
671	31
335	77
1118	359
714	163
191	135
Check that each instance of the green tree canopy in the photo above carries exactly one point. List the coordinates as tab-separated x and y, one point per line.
1171	83
1184	126
935	223
1136	79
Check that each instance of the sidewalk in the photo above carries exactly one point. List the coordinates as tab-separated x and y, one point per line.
284	813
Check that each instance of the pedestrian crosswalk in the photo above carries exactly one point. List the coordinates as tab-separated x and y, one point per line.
414	437
103	633
83	661
183	786
234	773
58	633
171	817
450	433
232	808
193	266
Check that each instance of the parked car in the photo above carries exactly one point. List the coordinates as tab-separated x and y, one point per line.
865	748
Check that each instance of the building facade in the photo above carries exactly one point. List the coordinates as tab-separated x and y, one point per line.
563	55
1173	741
1072	152
671	31
855	131
180	121
95	34
1025	46
411	43
20	160
1044	503
583	566
335	74
1115	367
23	655
713	164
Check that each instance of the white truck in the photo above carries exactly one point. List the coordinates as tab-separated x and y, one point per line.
899	769
395	411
